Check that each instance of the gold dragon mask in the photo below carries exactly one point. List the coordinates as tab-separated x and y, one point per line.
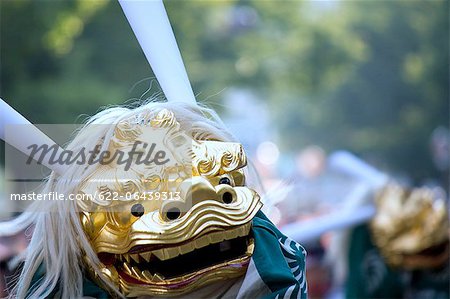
411	227
176	222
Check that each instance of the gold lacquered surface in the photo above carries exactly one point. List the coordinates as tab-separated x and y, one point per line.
108	234
409	222
209	212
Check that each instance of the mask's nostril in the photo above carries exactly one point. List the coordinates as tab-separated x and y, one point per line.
173	213
227	197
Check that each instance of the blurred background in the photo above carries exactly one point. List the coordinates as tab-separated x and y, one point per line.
294	80
367	76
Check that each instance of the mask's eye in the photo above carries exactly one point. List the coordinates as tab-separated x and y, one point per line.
137	210
225	180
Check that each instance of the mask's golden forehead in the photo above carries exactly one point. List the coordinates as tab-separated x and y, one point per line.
214	158
162	156
162	135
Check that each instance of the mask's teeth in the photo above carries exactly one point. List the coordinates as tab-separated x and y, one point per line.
216	237
135	257
201	242
230	235
185	248
136	272
147	275
242	231
146	256
161	254
248	227
250	248
173	252
126	257
158	278
166	253
127	268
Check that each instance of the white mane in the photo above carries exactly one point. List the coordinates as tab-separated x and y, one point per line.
58	243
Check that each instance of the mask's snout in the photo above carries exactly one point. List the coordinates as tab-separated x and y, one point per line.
193	191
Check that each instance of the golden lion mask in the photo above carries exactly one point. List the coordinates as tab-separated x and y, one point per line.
411	228
168	229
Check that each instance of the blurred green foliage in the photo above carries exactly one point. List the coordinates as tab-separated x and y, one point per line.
368	76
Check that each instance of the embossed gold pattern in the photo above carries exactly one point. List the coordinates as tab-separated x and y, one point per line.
213	219
213	158
411	227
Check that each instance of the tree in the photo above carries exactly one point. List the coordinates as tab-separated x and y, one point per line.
371	77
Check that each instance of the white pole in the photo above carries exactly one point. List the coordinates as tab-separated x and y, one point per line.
29	135
312	229
352	165
149	21
354	210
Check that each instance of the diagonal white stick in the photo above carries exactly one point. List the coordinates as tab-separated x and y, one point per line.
312	229
346	216
150	24
9	116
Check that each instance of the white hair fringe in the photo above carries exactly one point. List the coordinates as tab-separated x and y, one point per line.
58	243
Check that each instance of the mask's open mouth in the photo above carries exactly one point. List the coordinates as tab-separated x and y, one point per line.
177	265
